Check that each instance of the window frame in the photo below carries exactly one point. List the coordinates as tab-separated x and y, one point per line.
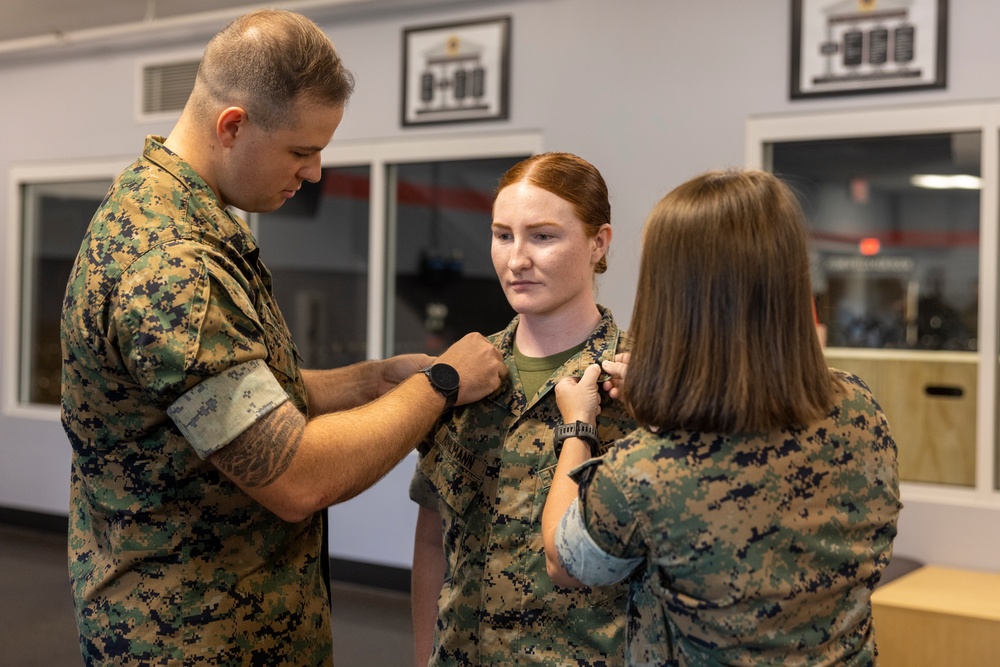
16	327
902	121
378	155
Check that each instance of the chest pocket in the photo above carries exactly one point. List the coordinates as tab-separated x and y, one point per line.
609	429
455	471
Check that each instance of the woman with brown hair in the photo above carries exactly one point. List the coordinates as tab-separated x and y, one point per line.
755	506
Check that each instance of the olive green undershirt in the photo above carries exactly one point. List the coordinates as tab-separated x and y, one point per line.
535	371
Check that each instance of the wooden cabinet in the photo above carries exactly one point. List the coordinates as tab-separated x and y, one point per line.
929	399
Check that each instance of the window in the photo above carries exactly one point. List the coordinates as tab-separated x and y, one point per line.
894	228
54	214
387	253
316	247
443	282
901	212
439	282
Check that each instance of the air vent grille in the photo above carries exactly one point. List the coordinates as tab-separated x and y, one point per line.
167	86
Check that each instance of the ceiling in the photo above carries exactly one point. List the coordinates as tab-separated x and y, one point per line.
21	19
36	25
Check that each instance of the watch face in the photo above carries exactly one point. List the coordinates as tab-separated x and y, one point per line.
444	376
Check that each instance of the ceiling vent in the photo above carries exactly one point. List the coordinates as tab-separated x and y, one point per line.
166	87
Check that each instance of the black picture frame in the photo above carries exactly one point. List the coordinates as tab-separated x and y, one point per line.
867	46
456	72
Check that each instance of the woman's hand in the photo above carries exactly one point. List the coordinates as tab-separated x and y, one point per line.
579	399
617	370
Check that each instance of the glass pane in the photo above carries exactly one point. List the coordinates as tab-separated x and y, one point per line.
316	247
443	276
894	233
55	218
894	225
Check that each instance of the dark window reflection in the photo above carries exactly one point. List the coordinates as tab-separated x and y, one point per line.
895	256
445	285
55	219
316	247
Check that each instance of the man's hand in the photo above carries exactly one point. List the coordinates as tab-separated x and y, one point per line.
480	367
579	399
617	369
394	370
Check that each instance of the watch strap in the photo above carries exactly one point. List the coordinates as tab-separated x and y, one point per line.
578	429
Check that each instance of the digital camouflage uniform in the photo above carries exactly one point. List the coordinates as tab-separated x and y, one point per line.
168	308
487	471
757	550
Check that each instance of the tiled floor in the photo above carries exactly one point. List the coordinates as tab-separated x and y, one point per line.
370	627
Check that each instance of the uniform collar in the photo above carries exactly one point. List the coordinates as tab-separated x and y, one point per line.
601	345
229	228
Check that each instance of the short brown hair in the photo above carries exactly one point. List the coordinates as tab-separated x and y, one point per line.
266	60
723	331
572	178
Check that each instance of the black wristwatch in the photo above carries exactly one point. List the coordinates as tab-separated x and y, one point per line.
445	380
578	429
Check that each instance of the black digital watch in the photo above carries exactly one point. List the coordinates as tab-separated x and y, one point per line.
445	381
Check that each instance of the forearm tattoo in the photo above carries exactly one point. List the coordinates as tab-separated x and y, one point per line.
264	451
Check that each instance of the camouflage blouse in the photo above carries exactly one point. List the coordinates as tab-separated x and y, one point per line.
168	307
487	471
751	549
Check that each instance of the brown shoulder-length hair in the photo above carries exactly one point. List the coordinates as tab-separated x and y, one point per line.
723	334
572	178
265	61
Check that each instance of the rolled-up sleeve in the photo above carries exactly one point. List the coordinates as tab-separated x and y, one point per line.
581	556
597	538
218	409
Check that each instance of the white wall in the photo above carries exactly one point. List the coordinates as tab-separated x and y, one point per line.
651	91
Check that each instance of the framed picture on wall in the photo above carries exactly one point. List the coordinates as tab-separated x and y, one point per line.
865	46
456	72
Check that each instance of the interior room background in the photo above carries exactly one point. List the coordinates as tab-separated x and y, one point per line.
650	91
